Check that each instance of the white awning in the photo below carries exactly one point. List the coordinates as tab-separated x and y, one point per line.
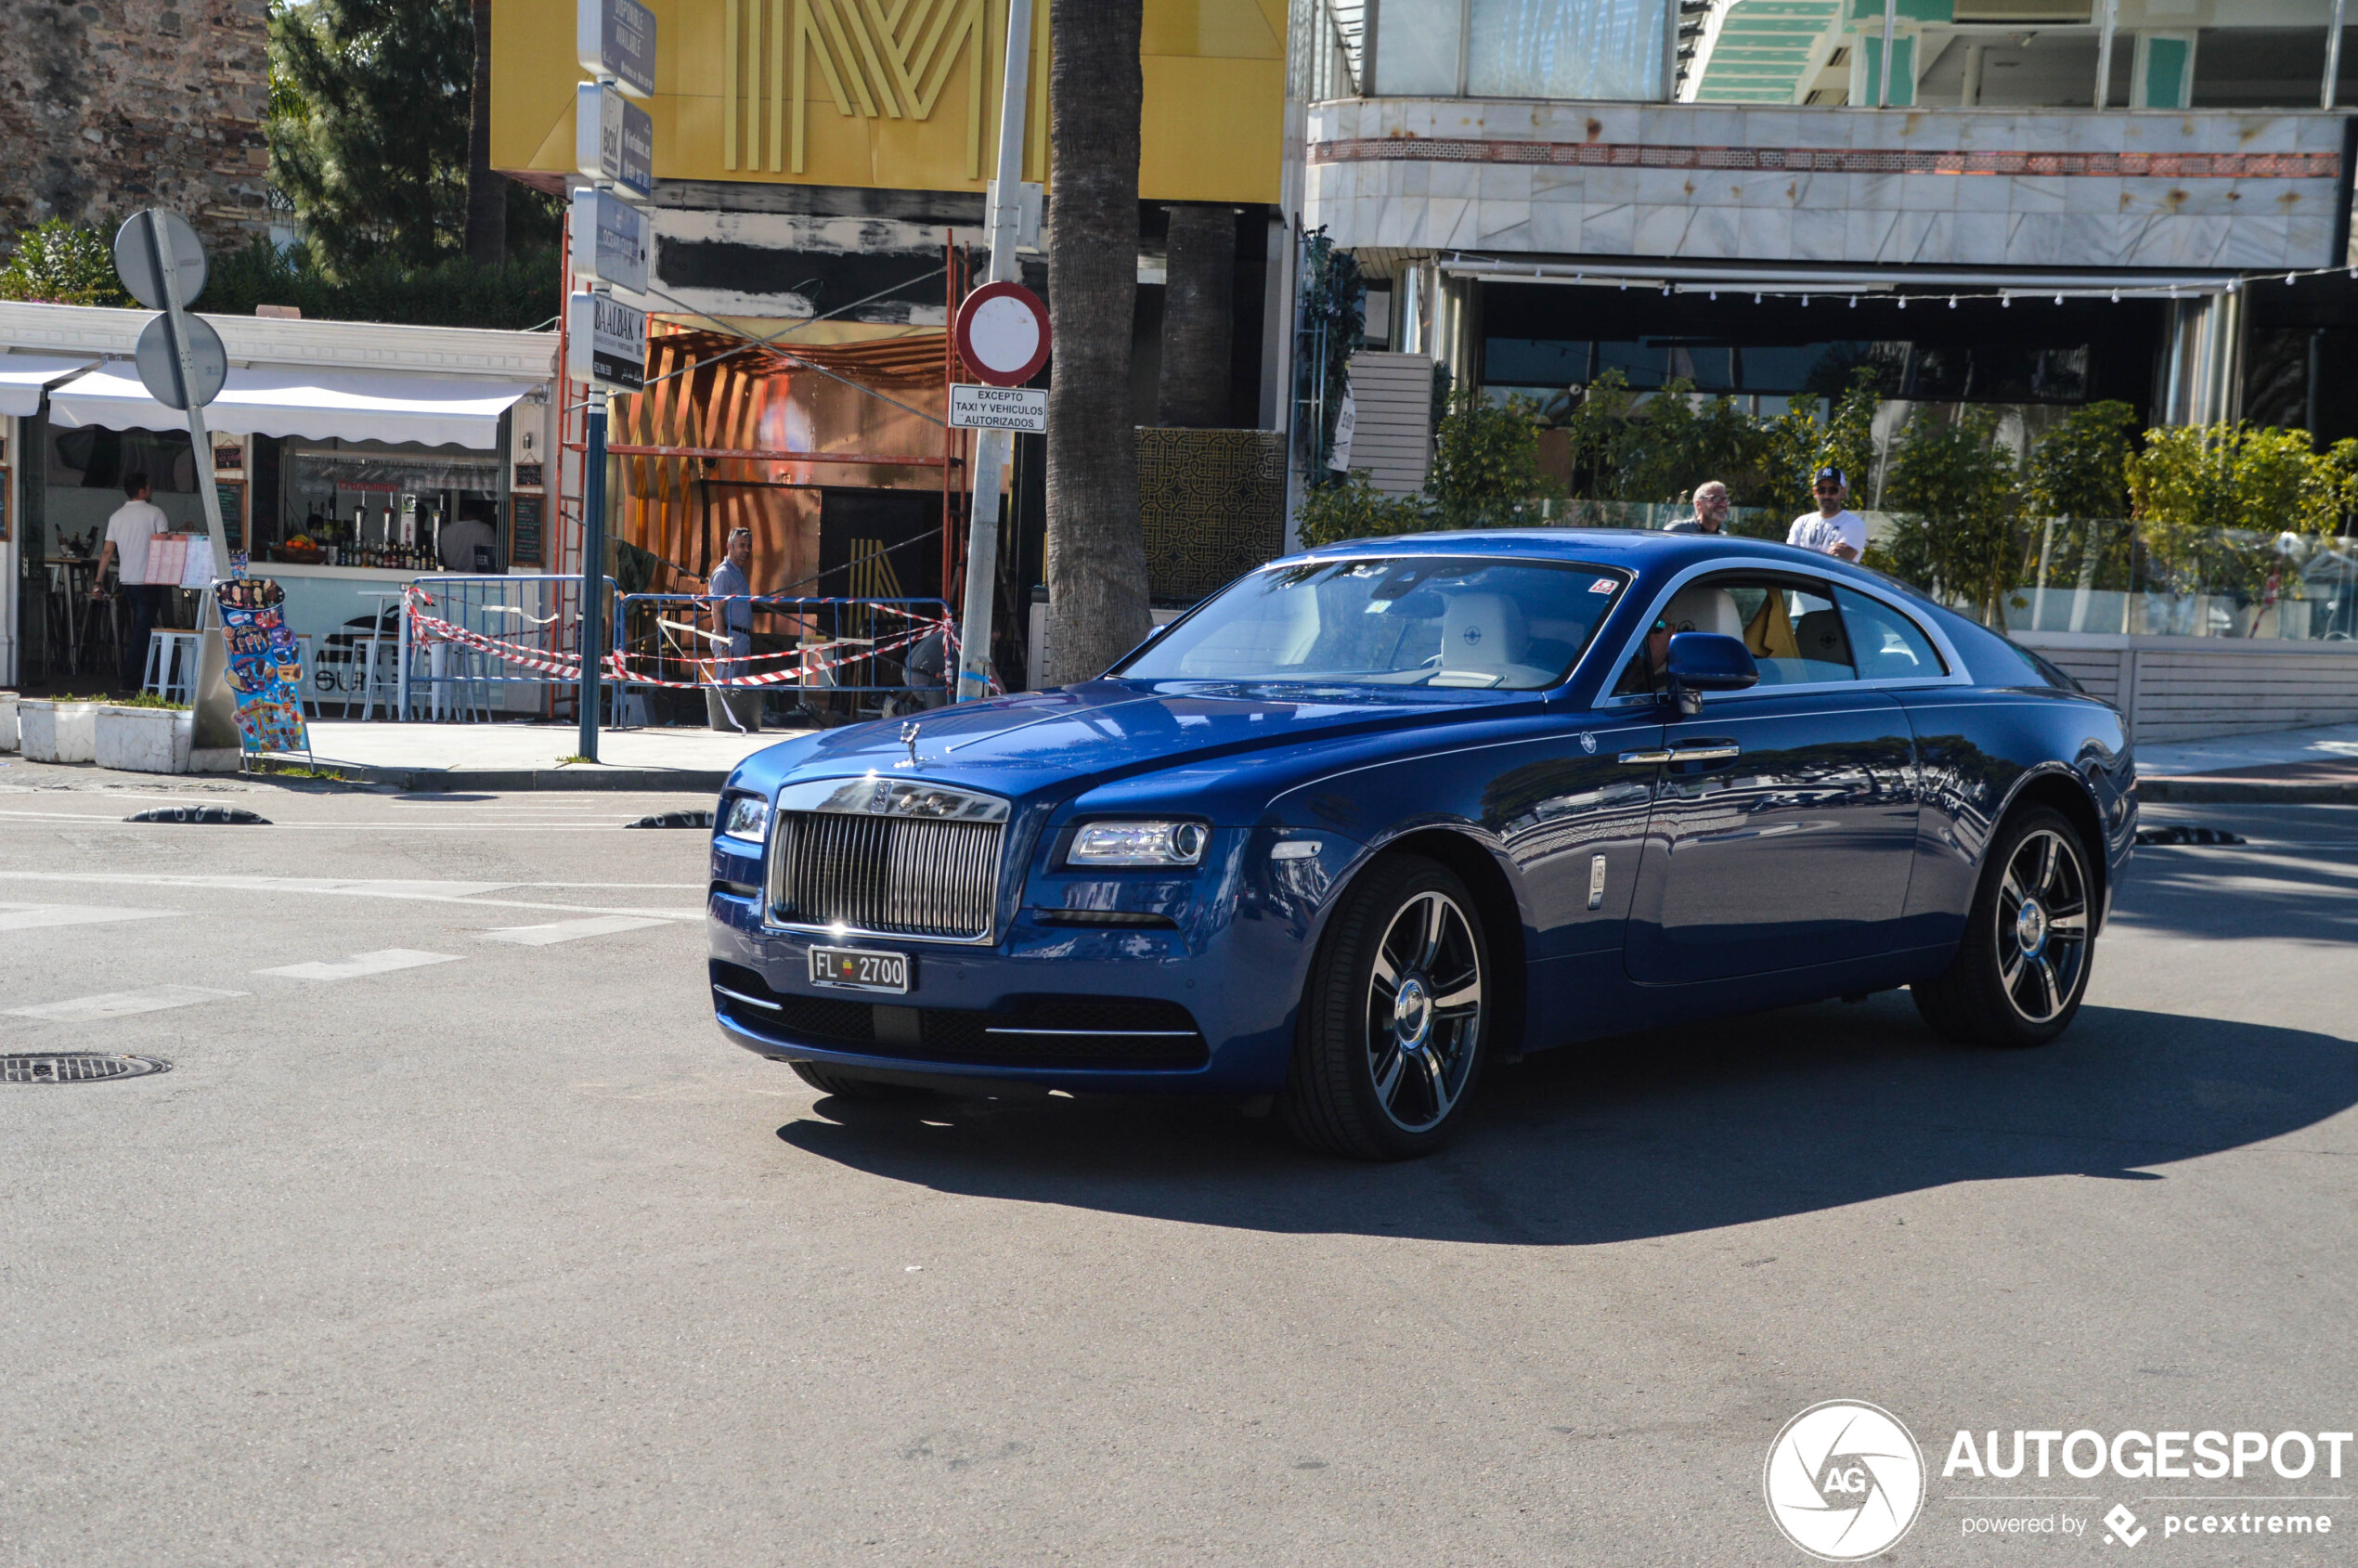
23	375
323	405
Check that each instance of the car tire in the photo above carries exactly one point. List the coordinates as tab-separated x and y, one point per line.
1393	1020
853	1085
2021	969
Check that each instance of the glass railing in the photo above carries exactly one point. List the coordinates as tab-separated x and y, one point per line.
2113	575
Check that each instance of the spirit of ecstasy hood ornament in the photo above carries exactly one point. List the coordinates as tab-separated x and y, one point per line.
909	739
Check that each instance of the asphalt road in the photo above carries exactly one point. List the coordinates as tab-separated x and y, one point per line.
506	1257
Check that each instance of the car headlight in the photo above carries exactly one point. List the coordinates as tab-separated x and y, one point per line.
746	817
1169	843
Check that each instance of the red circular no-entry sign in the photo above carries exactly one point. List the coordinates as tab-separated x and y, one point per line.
1001	333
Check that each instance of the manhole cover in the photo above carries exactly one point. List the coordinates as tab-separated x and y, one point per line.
75	1067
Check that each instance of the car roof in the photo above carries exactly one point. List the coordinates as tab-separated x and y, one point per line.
1639	550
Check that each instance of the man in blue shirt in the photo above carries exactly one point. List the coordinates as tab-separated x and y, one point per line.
732	605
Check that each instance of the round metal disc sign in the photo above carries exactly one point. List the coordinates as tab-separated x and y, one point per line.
182	253
160	368
1001	333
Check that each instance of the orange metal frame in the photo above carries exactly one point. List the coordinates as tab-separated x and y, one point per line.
573	436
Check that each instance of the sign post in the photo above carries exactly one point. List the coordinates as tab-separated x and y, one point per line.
182	365
988	323
607	340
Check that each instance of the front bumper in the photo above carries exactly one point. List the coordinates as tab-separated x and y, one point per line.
1237	983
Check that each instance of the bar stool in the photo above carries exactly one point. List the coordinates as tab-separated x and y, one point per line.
379	659
305	699
171	665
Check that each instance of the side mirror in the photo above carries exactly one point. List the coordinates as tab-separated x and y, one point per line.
1705	661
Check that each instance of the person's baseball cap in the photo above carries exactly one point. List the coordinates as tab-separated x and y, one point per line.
1830	476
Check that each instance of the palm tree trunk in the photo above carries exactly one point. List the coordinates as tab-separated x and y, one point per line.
486	192
1096	548
1197	307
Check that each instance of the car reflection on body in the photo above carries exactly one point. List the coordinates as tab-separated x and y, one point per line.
1376	814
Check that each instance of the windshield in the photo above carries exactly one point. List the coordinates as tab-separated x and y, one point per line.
1415	620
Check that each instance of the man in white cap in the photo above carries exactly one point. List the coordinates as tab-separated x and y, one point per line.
1833	529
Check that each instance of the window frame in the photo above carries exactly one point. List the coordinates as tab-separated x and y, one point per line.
1956	674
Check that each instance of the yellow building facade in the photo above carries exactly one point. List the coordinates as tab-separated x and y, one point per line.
895	95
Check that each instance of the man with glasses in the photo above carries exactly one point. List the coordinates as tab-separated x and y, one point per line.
1833	529
1711	511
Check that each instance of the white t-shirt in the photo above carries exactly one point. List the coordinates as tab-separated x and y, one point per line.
133	524
1812	531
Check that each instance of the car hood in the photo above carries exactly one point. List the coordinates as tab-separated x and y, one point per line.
1103	730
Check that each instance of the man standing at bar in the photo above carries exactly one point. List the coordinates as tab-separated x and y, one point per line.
136	522
732	605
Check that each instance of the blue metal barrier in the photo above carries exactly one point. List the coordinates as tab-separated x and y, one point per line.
532	620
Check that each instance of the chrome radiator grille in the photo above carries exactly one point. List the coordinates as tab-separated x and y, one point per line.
893	876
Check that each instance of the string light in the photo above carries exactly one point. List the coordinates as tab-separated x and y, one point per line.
1952	302
1903	301
1805	302
1854	302
2059	299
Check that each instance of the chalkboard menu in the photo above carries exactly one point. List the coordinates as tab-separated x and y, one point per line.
524	530
528	475
233	512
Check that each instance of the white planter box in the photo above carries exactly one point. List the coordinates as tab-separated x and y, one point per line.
8	721
51	731
142	740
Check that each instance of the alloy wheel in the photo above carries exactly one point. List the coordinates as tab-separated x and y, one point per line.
1424	1011
2042	926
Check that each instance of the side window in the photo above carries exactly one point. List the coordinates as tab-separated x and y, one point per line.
1792	627
1796	634
1885	644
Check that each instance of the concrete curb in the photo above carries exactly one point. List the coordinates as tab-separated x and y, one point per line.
2244	792
448	781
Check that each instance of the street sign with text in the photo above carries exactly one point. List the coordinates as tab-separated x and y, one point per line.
609	240
605	343
616	38
614	139
999	407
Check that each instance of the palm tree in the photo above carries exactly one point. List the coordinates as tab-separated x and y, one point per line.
1096	548
1197	310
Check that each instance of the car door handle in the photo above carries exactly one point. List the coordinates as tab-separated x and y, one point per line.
1719	752
1643	759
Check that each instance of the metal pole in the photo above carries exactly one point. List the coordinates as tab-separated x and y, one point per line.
1890	20
2333	57
184	365
991	445
2103	55
593	568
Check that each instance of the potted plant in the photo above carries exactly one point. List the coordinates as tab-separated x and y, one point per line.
55	729
145	734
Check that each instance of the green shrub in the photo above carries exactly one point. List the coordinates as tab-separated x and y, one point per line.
57	262
521	293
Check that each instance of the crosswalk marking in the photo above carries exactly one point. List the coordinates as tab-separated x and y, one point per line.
382	962
122	1003
33	918
568	930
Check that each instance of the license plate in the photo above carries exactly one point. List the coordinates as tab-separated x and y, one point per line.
852	968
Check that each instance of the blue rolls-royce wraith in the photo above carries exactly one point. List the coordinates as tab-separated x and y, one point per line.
1379	812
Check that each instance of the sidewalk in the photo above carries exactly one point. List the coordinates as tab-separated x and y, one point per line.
2318	765
2287	766
507	757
